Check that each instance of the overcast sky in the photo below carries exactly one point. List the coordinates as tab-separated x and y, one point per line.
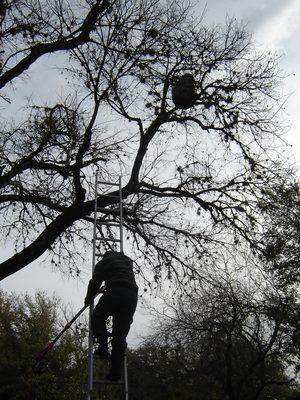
275	25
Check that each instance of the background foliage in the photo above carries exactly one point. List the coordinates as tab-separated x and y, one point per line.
27	324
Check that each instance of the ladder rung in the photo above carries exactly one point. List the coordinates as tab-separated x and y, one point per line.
107	240
108	223
108	183
101	358
109	210
108	382
100	219
110	196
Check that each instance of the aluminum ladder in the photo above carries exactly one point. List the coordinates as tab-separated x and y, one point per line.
112	224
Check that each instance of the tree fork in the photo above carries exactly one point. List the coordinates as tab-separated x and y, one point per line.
45	240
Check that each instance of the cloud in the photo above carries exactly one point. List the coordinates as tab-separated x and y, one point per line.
254	13
280	26
258	12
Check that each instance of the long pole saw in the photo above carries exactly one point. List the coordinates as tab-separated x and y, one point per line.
40	356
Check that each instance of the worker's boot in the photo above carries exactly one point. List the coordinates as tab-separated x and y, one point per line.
115	370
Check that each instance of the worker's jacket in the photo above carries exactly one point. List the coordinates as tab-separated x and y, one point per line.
115	269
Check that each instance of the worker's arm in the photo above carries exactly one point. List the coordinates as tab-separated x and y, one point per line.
94	284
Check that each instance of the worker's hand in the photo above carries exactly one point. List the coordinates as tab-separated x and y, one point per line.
87	301
102	289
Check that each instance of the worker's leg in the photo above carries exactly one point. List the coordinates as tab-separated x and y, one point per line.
121	326
100	314
122	319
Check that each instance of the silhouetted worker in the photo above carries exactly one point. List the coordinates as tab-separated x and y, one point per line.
119	301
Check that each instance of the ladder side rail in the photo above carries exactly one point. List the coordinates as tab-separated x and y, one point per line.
125	378
121	213
91	340
121	249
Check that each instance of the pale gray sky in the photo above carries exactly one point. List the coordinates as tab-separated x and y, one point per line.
276	26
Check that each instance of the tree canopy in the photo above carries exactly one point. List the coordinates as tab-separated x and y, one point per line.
192	178
280	207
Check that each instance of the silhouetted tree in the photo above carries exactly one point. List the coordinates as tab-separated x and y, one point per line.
33	28
280	206
227	342
191	178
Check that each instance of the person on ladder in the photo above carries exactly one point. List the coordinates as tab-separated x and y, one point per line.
119	300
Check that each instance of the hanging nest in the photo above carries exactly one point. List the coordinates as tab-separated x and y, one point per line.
184	94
